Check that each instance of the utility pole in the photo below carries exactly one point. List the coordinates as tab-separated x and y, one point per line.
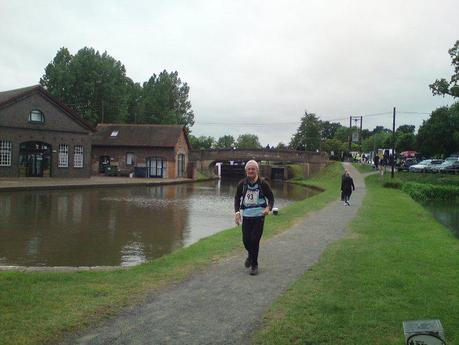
393	145
350	132
360	136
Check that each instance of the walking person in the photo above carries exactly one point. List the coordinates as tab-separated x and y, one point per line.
347	186
255	199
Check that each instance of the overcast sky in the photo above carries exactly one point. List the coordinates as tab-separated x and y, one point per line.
258	62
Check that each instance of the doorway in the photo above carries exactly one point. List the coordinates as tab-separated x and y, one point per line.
34	159
156	167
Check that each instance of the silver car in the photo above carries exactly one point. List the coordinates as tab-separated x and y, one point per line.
421	166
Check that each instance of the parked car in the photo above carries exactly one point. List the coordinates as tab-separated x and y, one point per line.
434	163
421	166
441	167
453	168
405	165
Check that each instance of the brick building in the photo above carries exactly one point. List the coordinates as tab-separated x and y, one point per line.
145	150
41	137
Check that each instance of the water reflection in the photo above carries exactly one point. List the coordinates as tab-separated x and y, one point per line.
118	226
446	212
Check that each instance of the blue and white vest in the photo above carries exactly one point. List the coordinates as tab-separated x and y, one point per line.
253	200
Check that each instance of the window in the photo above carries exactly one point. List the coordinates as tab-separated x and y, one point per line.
181	165
78	156
36	116
5	153
63	156
114	134
130	158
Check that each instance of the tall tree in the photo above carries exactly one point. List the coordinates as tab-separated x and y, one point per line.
201	143
307	136
442	86
328	129
248	141
93	84
225	142
405	129
166	100
439	135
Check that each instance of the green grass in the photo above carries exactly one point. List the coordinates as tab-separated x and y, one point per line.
363	168
396	263
37	308
200	176
441	179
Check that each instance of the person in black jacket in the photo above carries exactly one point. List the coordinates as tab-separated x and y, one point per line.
255	199
347	186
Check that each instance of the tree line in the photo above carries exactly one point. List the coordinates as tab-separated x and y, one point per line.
97	87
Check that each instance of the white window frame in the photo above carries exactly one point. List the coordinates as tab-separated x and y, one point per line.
78	157
130	158
63	156
5	153
181	165
39	113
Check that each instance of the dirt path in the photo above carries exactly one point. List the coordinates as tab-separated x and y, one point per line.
224	304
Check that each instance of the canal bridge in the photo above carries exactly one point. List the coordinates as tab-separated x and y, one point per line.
205	160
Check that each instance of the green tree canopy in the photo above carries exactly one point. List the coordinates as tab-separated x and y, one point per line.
379	140
307	136
225	142
342	134
93	84
201	143
96	86
442	86
248	141
281	146
439	135
328	129
165	100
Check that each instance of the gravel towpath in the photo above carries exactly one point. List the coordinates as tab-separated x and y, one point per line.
224	304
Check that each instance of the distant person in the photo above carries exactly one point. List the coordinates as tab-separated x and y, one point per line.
255	199
347	186
376	161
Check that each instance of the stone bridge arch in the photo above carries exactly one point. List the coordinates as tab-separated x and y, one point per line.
205	160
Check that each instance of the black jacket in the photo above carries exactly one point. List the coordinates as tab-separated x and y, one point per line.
265	188
347	184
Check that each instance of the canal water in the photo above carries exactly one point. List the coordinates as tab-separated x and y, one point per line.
446	212
117	226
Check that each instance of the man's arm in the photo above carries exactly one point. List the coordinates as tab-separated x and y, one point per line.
237	197
267	191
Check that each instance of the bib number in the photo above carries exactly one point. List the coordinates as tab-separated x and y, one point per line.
251	198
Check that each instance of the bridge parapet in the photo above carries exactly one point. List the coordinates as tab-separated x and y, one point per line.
258	154
204	160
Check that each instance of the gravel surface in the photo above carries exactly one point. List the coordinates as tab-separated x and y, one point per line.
224	304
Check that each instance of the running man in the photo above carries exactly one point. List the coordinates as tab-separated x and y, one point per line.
255	199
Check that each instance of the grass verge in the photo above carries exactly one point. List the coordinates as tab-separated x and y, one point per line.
363	168
396	263
37	308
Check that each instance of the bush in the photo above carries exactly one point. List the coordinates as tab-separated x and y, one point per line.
425	191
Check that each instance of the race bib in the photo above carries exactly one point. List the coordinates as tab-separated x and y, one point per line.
251	197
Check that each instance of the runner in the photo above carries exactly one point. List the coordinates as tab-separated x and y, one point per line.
347	186
255	199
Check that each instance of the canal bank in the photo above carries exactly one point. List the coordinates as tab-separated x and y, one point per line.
40	183
396	263
39	308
